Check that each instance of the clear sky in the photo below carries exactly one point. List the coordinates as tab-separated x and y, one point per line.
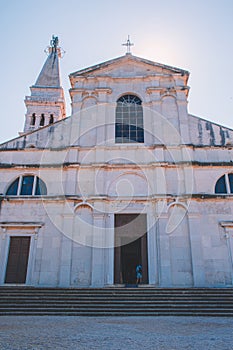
193	35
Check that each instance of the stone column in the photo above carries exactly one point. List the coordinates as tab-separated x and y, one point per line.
165	258
98	268
183	120
109	251
196	252
66	254
31	273
4	243
152	249
229	240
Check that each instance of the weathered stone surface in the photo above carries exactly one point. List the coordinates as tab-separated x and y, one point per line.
171	178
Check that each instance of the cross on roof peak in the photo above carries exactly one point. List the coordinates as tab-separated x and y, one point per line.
128	44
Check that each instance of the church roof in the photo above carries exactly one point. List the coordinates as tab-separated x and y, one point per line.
126	58
50	73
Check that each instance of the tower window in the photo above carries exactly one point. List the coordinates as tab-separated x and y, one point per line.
51	119
224	184
33	119
42	120
129	120
27	185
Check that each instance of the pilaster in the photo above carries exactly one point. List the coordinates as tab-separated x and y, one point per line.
98	244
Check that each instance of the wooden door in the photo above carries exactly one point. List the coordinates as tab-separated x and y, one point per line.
17	263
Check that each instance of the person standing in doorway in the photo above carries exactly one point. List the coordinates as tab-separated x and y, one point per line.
138	274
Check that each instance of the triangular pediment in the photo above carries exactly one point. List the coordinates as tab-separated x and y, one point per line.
128	66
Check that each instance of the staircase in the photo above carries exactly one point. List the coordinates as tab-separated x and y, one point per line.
116	301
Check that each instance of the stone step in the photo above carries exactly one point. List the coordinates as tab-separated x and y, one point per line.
55	312
118	307
145	306
108	289
114	293
116	301
129	297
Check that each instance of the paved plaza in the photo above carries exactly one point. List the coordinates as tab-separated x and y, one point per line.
115	333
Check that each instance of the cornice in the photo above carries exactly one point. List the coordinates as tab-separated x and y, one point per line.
197	197
109	165
90	92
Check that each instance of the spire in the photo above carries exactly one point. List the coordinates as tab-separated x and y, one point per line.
50	73
46	104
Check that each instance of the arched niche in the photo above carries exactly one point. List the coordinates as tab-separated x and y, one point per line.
84	223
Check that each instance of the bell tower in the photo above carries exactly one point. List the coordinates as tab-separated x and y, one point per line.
46	104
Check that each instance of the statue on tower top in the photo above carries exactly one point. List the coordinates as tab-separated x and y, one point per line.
54	48
54	42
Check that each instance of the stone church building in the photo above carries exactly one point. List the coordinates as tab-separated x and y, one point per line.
130	177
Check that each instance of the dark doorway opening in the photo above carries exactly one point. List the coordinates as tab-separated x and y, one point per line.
130	248
17	263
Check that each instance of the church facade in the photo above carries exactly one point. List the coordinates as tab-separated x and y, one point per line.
131	177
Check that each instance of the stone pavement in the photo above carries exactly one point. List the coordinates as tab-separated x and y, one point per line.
115	333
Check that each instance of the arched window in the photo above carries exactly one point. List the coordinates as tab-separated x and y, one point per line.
42	120
129	120
51	119
224	184
33	119
27	185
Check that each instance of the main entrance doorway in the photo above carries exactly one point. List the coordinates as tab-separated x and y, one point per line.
17	263
130	248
